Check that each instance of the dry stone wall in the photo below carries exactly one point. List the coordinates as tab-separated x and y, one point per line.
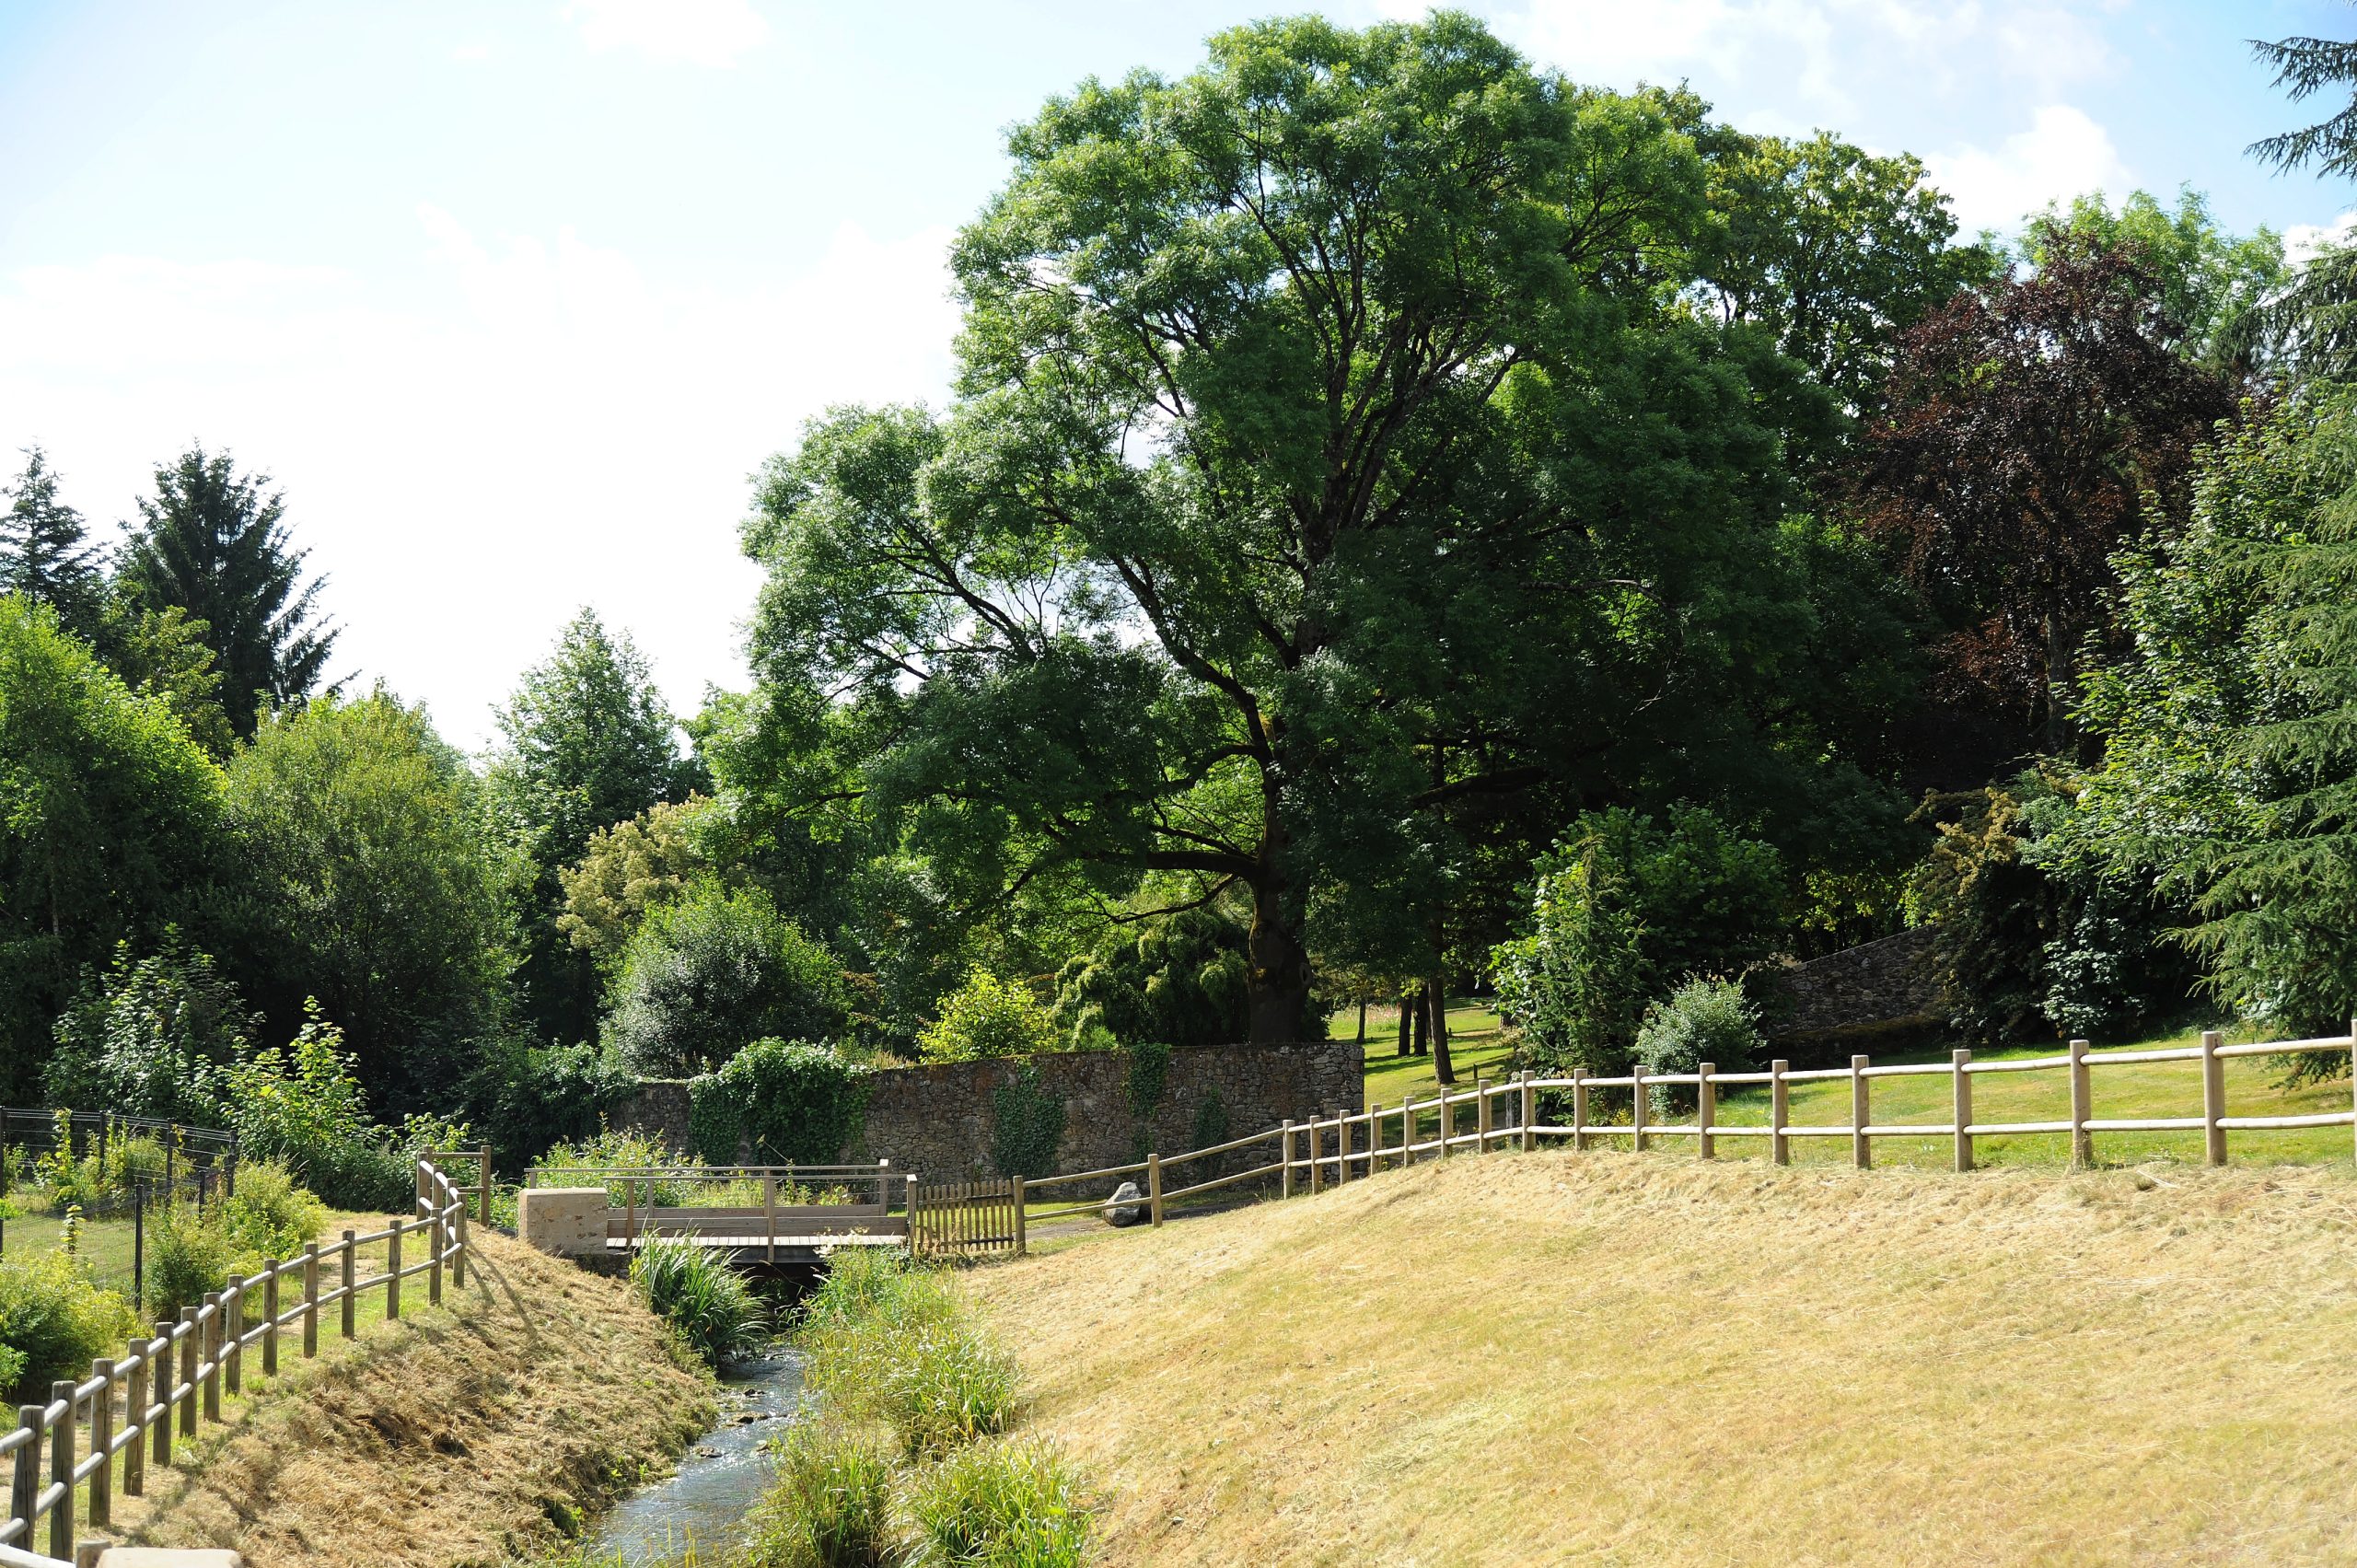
940	1121
1881	995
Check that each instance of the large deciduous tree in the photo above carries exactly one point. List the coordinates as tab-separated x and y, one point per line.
215	543
2027	423
1337	485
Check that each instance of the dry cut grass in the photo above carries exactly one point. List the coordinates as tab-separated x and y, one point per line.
457	1436
1616	1358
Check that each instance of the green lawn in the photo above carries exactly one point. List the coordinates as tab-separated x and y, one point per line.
105	1245
1475	1045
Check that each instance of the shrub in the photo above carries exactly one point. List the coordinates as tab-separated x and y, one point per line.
987	1016
1181	978
526	1098
707	1302
831	1506
706	976
189	1253
146	1037
1008	1505
1027	1123
622	1149
793	1102
269	1216
54	1319
1702	1020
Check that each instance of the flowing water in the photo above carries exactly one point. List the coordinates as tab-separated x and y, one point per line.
720	1477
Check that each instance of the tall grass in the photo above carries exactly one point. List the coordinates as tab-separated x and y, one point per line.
1004	1504
890	1343
831	1506
704	1300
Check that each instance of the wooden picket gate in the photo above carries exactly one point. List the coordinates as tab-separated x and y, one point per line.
966	1217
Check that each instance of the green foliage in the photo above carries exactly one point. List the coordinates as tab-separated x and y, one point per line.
304	1106
146	1036
794	1102
626	870
1179	980
614	1149
1705	1019
1012	1504
1626	907
2228	750
526	1098
830	1506
710	974
270	1215
704	1300
984	1017
890	1343
55	1321
215	544
1211	1121
1027	1123
2211	285
189	1255
112	828
1146	1072
374	889
46	554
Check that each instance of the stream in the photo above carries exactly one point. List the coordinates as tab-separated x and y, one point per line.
720	1477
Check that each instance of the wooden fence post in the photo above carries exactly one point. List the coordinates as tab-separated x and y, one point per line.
350	1301
1316	1171
24	1487
270	1319
436	1242
1153	1186
1706	1110
1342	1146
1861	1152
310	1300
1637	1105
134	1417
233	1324
2083	1143
210	1322
1779	1113
393	1271
483	1185
1407	1130
1529	1109
459	1247
101	1439
192	1352
1960	1088
1021	1244
1284	1161
909	1207
2352	1069
61	1473
167	1392
1579	1108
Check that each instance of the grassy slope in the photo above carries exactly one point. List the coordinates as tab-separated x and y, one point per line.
454	1436
1614	1358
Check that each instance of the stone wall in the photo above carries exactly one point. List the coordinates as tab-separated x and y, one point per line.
1881	995
939	1120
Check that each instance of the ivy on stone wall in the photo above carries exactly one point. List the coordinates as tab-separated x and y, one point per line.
1030	1125
793	1103
1211	1121
1149	1075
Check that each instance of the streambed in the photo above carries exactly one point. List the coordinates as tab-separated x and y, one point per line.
720	1477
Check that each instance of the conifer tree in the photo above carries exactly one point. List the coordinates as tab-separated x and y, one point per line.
46	553
215	544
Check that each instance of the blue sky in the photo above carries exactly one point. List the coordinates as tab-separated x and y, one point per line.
511	298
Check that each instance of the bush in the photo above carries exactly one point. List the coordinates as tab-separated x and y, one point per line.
707	1302
1181	978
987	1016
55	1321
1702	1020
145	1037
527	1098
795	1103
1009	1504
831	1506
705	977
269	1216
188	1254
620	1149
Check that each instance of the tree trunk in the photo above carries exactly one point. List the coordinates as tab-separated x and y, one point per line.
1406	1047
1438	989
1362	1022
1423	1024
1279	983
2059	737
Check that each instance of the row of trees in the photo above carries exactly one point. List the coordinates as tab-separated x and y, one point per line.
1404	517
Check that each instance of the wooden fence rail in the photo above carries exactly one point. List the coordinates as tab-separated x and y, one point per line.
66	1457
1505	1113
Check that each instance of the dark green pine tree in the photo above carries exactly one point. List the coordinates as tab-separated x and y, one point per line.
215	544
2304	67
46	553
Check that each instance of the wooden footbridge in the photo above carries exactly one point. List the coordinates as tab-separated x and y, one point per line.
786	1214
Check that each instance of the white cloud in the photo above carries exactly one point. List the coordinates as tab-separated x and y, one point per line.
701	32
559	428
2063	154
2303	241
